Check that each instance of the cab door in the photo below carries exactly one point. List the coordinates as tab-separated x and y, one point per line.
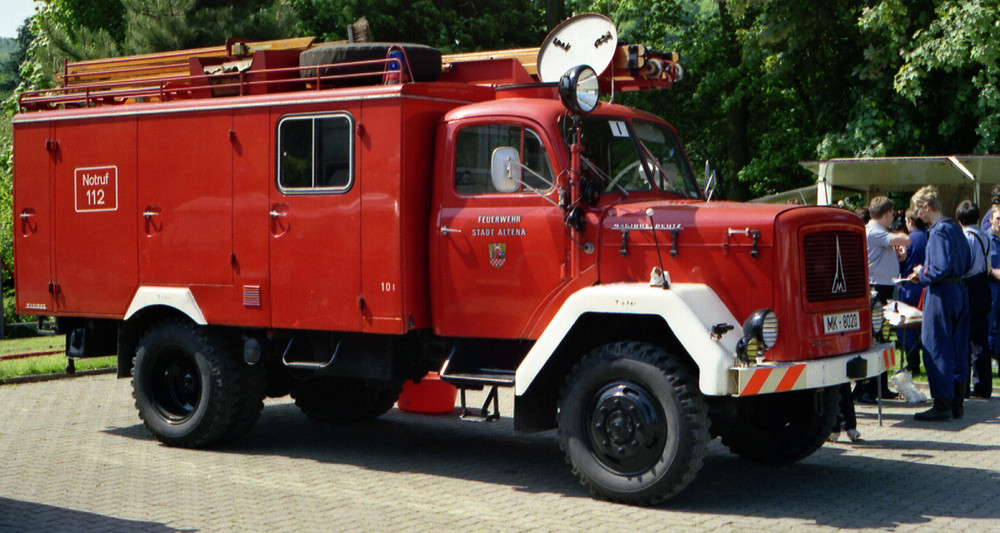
500	255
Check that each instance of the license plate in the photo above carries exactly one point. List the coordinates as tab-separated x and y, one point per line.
841	322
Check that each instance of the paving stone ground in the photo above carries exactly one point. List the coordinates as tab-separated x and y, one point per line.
74	457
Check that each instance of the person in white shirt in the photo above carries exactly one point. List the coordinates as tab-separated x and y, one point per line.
883	247
884	251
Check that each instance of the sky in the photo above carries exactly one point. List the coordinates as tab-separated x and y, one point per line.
12	15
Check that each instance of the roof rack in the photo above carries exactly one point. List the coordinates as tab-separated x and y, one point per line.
243	68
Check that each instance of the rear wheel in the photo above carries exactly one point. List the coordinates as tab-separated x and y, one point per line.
339	400
250	401
185	384
632	424
782	428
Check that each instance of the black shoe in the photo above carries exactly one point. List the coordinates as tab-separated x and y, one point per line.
981	394
957	409
867	399
889	395
940	412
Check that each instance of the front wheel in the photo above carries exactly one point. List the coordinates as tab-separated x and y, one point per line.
782	428
632	423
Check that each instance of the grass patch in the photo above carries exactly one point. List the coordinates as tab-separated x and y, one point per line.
33	344
51	364
44	364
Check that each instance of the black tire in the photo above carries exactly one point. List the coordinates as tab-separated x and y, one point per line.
782	428
632	424
185	384
424	61
250	401
338	400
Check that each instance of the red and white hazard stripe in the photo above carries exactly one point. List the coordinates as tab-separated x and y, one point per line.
889	358
763	380
781	377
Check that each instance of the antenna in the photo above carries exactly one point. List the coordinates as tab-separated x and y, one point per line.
589	39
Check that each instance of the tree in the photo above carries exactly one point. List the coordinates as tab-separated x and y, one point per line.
77	30
11	67
956	59
451	25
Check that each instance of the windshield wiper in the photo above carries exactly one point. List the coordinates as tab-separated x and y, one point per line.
659	168
605	177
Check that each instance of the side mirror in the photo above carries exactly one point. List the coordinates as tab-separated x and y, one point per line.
505	169
709	182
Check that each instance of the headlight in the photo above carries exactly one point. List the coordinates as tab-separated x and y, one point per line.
763	326
760	332
579	89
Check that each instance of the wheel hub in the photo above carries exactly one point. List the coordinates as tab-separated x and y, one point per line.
175	386
626	427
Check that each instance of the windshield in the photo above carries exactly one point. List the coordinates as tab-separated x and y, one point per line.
641	158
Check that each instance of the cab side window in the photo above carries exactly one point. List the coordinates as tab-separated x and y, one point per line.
315	154
474	151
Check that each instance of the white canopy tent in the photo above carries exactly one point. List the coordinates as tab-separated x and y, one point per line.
959	177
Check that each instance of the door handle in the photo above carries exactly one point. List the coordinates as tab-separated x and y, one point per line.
446	230
153	225
280	219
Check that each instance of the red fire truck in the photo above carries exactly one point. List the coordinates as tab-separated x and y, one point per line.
330	220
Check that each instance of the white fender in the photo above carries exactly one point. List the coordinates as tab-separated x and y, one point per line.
180	298
689	309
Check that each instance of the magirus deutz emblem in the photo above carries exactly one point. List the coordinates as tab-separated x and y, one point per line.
498	254
839	280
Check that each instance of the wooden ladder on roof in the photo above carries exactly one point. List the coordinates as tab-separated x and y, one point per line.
137	69
528	57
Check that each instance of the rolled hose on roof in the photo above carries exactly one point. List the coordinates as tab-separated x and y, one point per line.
424	61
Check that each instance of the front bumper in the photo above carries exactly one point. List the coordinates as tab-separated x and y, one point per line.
787	376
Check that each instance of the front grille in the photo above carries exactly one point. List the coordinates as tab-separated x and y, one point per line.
828	278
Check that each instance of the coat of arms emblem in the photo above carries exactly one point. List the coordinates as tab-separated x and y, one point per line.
498	254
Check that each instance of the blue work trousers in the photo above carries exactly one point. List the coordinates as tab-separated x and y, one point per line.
994	320
945	337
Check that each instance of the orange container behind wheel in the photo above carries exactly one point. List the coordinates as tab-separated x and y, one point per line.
431	395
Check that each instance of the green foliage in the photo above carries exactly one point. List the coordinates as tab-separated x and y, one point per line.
76	30
961	43
451	25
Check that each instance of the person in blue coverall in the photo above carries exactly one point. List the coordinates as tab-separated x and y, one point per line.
978	285
985	389
945	332
909	293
